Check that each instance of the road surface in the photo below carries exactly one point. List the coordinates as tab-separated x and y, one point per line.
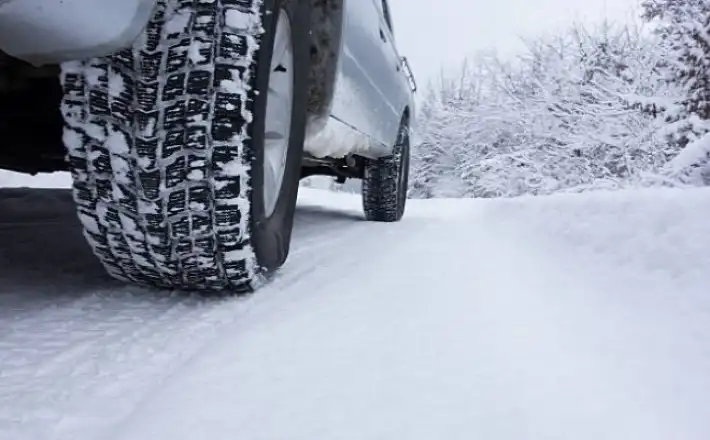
566	317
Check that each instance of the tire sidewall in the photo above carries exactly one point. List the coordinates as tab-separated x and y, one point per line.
271	235
403	176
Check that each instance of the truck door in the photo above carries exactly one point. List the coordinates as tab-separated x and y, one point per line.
396	88
365	70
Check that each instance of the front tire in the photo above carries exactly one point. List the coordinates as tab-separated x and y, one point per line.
167	139
385	183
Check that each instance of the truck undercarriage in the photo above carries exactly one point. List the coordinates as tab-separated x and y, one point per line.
30	120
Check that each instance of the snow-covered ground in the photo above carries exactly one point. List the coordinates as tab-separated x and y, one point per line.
567	317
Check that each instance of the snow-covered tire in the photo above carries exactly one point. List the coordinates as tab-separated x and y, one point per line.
166	145
384	185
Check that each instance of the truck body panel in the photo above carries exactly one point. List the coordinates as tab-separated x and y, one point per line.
52	31
371	91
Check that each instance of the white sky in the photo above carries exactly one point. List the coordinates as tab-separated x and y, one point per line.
432	36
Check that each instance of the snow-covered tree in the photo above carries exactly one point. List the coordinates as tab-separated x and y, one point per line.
684	27
447	118
572	110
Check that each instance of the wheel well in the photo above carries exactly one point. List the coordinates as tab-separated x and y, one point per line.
326	37
30	120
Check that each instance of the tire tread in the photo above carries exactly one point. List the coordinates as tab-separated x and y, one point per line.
383	199
158	142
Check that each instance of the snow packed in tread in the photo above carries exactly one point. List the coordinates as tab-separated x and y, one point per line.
157	135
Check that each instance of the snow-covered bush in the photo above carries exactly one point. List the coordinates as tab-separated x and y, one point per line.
572	110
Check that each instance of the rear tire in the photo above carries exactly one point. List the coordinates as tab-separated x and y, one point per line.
166	144
384	186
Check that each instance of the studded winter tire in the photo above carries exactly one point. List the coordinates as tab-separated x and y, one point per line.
171	143
384	186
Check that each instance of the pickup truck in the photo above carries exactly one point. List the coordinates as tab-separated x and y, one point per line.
187	124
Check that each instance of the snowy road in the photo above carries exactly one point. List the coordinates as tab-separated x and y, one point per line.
569	317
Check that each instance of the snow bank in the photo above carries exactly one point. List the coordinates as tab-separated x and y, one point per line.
659	232
651	230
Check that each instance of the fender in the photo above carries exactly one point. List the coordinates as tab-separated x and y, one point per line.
52	31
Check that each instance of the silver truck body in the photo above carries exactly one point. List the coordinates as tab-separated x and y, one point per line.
52	31
364	107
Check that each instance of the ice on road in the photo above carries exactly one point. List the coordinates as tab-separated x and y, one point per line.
565	317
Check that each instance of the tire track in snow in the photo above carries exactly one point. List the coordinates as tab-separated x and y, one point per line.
76	348
311	261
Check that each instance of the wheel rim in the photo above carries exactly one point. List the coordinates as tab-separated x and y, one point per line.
279	105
